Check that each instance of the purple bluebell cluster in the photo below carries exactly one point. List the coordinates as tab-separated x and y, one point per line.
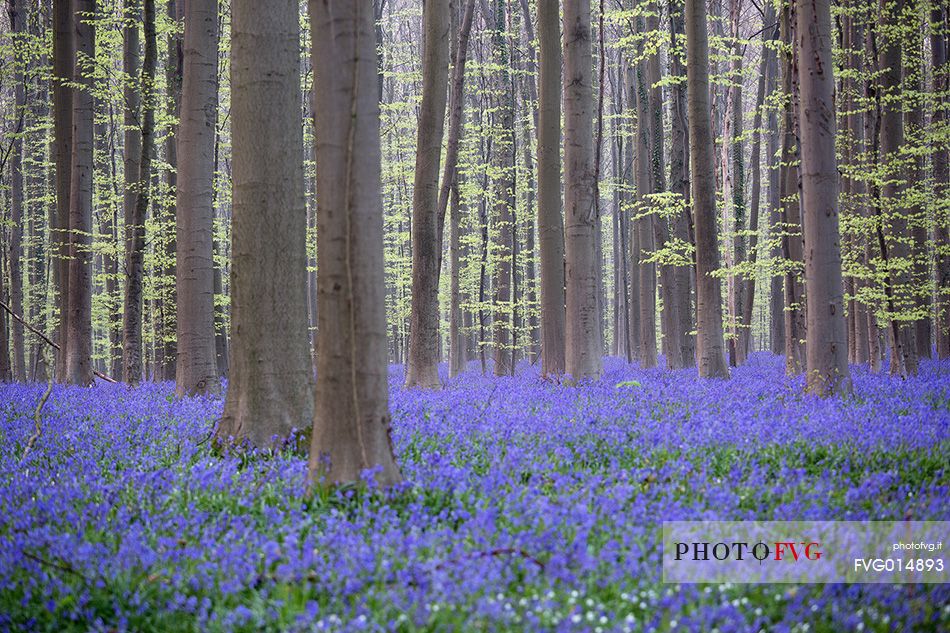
528	505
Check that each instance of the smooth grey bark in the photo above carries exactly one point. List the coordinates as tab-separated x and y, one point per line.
827	342
422	363
79	370
194	265
270	377
584	340
550	218
710	349
351	427
64	55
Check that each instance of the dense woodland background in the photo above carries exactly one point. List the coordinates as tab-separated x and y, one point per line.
890	111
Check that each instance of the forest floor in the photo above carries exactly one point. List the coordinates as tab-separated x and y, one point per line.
527	505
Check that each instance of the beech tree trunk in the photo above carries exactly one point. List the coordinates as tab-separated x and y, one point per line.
679	184
351	428
550	218
503	323
710	349
791	209
17	14
941	174
79	318
856	147
584	341
895	249
64	55
913	56
450	190
646	298
135	223
194	265
173	71
827	340
270	377
766	83
422	363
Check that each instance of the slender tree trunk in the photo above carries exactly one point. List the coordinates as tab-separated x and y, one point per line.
194	266
79	330
791	208
710	349
131	160
503	322
422	365
270	377
646	300
173	77
449	191
17	15
765	83
351	431
135	223
827	344
584	346
855	142
64	55
679	184
941	174
550	219
894	249
913	57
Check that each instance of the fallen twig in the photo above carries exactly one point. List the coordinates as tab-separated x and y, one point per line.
47	340
37	427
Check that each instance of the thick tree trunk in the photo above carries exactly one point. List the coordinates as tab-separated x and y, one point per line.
422	365
135	223
194	266
710	350
270	378
584	342
827	344
351	431
79	304
64	55
550	219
